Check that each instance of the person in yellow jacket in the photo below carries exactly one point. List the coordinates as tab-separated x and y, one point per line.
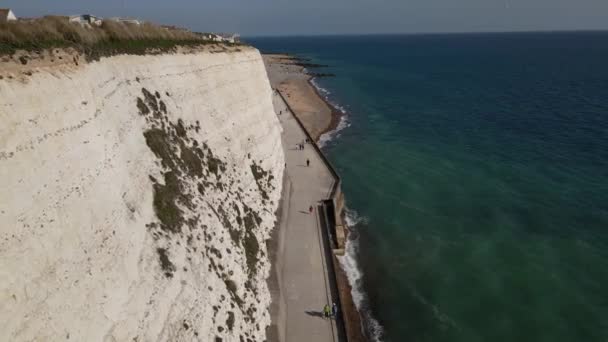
326	311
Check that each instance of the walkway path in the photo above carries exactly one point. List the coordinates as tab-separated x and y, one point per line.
305	279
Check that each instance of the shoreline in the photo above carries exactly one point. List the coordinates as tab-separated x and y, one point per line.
318	117
336	114
292	78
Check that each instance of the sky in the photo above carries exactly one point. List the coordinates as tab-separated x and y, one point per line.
318	17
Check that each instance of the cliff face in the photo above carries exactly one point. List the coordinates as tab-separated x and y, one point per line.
137	193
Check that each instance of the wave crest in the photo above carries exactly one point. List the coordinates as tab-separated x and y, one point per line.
344	122
354	274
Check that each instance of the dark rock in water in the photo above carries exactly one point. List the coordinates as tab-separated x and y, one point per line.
306	65
315	74
311	65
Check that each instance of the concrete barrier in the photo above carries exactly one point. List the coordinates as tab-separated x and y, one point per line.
335	234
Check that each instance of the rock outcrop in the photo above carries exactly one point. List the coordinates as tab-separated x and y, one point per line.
137	195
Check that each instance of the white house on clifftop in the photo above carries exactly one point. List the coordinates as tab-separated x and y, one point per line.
7	15
84	19
226	37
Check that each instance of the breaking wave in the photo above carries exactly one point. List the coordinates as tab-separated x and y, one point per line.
344	123
354	274
348	261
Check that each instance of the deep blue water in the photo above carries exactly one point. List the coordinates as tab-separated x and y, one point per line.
480	165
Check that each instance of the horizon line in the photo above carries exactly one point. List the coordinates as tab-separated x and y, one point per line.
302	35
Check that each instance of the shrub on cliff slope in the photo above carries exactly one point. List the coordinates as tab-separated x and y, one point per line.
108	39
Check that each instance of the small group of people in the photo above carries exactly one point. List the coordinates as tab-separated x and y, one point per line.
330	312
301	145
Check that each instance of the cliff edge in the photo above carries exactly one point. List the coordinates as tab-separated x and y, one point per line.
138	193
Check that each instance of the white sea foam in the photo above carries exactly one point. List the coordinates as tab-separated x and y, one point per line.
344	122
353	272
355	277
353	218
349	261
319	88
331	135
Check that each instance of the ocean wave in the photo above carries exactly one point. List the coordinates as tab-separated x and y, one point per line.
348	261
331	135
353	218
344	122
319	88
354	274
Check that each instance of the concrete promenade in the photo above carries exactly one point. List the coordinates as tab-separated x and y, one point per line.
304	276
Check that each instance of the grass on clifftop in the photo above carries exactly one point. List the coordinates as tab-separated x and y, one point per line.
110	38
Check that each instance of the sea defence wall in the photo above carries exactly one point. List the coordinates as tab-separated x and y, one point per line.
137	195
335	233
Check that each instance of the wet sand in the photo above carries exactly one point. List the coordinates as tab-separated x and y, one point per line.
293	82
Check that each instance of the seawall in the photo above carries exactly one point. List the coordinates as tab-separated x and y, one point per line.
334	234
138	193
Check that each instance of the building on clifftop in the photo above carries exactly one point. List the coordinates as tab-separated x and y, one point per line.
7	15
230	37
226	37
84	19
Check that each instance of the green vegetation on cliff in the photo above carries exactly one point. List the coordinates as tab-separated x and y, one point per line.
110	38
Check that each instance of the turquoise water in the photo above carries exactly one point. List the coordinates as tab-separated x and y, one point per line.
480	166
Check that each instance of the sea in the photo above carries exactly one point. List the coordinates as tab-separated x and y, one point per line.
475	169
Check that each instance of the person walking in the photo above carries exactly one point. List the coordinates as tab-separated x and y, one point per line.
334	310
326	311
307	162
310	209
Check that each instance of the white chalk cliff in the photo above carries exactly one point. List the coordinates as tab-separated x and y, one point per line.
136	197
